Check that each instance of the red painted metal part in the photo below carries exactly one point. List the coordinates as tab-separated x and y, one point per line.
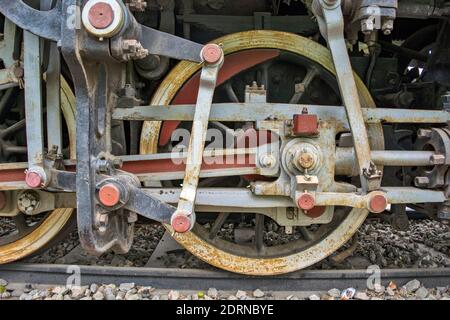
168	165
315	212
234	64
181	223
305	125
33	179
152	166
101	15
12	175
378	203
306	201
109	195
212	53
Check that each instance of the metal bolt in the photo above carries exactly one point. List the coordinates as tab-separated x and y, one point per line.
212	53
117	163
109	195
133	50
387	27
101	222
28	202
377	203
137	5
367	26
300	88
181	222
437	159
103	166
421	181
446	101
101	15
306	201
306	160
103	18
267	161
132	217
424	133
35	177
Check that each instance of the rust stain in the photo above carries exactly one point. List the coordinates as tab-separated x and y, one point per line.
262	266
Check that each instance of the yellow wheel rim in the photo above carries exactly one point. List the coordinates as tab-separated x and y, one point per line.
204	250
57	219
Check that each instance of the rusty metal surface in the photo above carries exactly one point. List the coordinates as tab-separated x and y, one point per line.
55	221
194	242
213	56
331	21
232	65
196	279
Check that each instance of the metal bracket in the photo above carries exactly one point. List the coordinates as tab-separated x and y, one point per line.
65	12
333	31
184	218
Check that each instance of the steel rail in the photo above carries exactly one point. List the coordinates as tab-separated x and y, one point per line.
194	279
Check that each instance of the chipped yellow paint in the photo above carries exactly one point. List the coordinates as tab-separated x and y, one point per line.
57	219
206	251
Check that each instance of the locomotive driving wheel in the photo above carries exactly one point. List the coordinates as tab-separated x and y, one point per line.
22	235
293	69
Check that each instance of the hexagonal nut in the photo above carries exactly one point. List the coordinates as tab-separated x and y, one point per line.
446	97
132	217
133	50
421	181
367	26
424	133
117	163
103	166
137	5
267	161
437	159
306	160
387	27
101	221
28	202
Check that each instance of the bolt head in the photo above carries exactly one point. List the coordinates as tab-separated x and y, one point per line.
437	159
181	222
101	15
34	179
212	53
101	222
421	181
267	161
378	203
109	195
306	160
306	201
424	133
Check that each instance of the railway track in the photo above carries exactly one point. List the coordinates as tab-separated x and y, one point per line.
195	279
270	163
